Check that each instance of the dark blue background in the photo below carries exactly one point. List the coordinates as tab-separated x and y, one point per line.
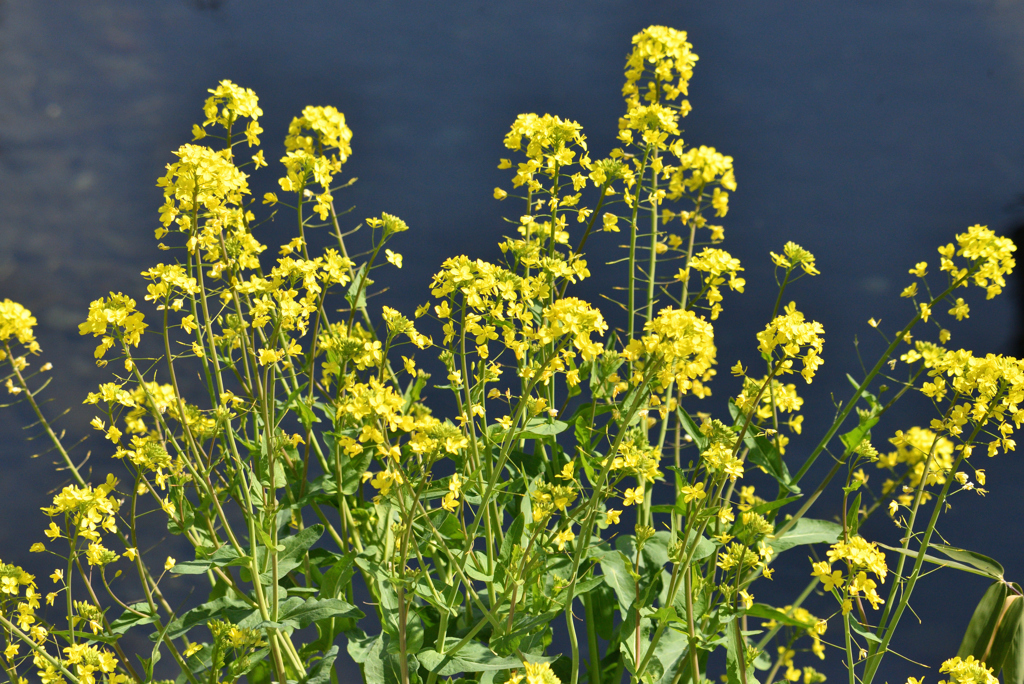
868	132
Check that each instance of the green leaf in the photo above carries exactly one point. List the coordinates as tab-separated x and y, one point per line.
513	536
732	658
863	631
223	557
858	434
853	515
614	566
312	610
356	294
1013	664
943	562
320	673
291	551
705	547
338	576
690	427
1009	625
538	428
473	657
870	398
976	560
129	619
763	453
808	531
521	626
760	610
447	525
224	608
382	666
603	603
983	622
669	652
769	506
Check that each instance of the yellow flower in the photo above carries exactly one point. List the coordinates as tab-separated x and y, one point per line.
873	323
38	547
192	650
393	258
57	576
920	269
633	496
500	194
693	492
563	538
169	563
909	290
831	579
611	517
567	471
960	309
268	356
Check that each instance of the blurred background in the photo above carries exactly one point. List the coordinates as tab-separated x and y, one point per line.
868	132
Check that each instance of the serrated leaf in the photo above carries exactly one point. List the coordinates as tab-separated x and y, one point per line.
313	610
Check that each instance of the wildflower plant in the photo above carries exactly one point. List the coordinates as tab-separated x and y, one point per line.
310	460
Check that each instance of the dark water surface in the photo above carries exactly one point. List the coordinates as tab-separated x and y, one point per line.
868	132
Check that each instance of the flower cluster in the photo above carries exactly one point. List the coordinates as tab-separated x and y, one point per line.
991	258
967	671
317	157
118	315
17	322
861	557
789	334
914	449
719	267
